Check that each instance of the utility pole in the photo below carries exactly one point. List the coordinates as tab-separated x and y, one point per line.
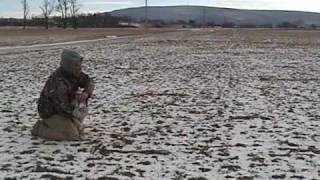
146	18
25	12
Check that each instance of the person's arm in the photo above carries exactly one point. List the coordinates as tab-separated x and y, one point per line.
90	87
61	99
87	84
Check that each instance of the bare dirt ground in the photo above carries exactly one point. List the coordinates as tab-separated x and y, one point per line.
223	104
13	36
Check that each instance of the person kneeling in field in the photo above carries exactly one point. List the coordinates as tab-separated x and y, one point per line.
63	103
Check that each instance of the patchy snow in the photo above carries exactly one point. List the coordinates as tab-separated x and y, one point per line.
175	106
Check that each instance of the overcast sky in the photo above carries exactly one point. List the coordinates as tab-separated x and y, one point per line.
12	8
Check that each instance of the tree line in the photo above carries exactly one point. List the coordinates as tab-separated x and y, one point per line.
230	24
67	15
68	9
102	20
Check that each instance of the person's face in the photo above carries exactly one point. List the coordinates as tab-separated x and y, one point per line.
77	69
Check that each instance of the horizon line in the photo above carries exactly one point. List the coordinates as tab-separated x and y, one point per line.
220	7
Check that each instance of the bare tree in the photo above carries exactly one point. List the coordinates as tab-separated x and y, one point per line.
26	11
74	9
47	8
62	7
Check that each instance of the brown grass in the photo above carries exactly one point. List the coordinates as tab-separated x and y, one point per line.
284	38
11	36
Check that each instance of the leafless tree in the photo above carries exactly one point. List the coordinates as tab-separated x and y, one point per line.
74	9
47	8
62	7
26	11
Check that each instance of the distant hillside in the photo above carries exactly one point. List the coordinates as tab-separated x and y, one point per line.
200	14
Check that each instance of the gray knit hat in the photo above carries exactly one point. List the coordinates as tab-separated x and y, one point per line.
69	59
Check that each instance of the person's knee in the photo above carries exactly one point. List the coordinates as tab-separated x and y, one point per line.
60	136
72	134
65	131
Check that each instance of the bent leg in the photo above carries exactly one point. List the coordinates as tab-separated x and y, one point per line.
56	128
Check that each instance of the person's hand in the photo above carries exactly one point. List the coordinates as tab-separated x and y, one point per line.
83	96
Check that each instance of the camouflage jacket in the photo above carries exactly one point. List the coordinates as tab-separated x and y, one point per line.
59	92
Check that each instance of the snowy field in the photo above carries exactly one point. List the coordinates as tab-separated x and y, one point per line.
192	105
